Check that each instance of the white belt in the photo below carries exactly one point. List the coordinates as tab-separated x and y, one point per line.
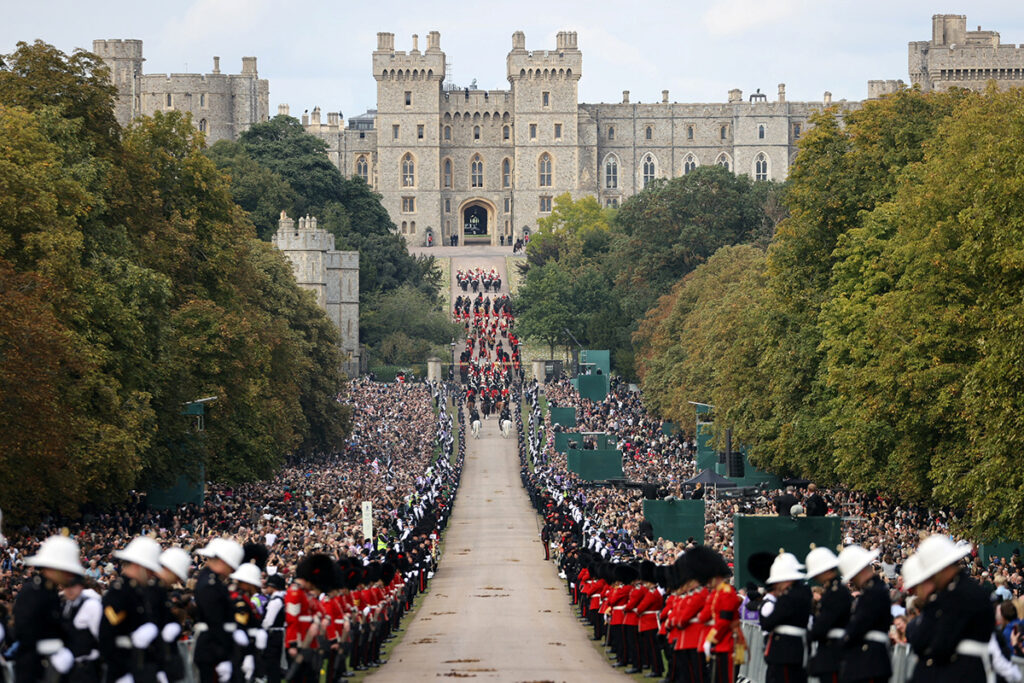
305	617
123	642
49	646
253	631
622	607
653	611
877	637
339	621
972	648
836	633
787	630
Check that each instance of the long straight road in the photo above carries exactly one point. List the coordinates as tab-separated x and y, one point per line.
496	609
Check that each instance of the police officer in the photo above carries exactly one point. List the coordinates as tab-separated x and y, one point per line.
43	653
127	629
215	622
953	643
273	624
832	613
83	612
866	638
784	616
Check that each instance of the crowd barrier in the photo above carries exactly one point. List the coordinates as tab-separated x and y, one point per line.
754	668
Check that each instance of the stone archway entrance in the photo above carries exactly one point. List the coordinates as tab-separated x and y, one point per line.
478	222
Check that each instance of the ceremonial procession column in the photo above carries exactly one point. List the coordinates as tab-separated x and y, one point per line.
495	610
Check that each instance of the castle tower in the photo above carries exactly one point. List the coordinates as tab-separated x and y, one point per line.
408	132
545	87
124	59
332	276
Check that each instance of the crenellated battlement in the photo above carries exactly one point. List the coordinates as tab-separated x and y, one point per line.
564	62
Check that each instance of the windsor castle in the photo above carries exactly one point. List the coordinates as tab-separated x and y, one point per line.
487	164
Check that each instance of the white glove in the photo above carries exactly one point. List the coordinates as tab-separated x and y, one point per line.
161	677
127	678
248	667
261	639
241	638
144	635
62	660
707	648
170	632
223	672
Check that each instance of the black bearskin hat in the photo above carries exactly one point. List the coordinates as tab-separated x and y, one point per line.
647	571
706	564
387	573
318	569
625	573
256	553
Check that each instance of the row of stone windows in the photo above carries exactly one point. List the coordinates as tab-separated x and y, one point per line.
476	171
649	168
723	132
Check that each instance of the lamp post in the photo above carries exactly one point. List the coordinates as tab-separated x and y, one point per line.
451	368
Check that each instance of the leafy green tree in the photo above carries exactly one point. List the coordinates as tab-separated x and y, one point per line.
542	305
254	187
575	232
406	326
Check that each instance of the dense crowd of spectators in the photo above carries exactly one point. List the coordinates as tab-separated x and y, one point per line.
609	519
401	456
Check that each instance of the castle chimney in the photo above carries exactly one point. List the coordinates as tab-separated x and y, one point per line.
316	116
283	110
333	117
664	96
305	120
216	65
248	66
782	92
828	97
386	42
560	41
625	97
433	41
415	43
735	95
518	40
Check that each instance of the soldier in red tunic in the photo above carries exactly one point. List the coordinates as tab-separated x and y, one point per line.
723	639
315	574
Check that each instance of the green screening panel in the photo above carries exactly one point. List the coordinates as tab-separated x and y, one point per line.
595	465
562	440
182	493
601	360
593	387
707	458
768	533
676	520
563	416
999	550
669	428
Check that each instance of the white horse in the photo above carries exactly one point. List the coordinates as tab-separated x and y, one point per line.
506	428
476	429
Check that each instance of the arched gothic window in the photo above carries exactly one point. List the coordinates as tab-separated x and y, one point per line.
611	173
408	171
761	166
476	132
476	172
648	170
202	125
544	170
447	133
760	131
689	163
649	133
363	169
448	173
724	161
506	173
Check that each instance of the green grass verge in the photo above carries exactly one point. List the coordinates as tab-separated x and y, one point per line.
514	279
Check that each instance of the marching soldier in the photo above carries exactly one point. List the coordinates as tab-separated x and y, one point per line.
866	639
314	574
831	615
43	653
952	643
214	611
175	566
250	638
127	629
273	624
723	640
784	616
